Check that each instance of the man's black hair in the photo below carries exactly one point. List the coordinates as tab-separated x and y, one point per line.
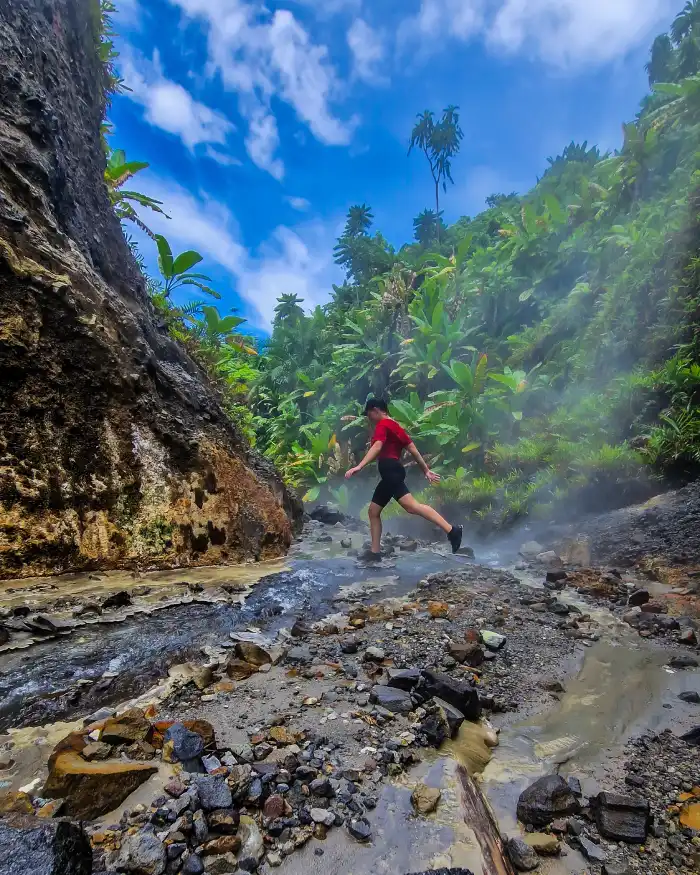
376	404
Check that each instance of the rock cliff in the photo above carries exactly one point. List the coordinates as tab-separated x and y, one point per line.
114	449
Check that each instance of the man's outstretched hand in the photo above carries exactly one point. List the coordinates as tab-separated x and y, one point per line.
352	472
432	477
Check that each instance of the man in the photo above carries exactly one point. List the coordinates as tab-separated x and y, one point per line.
388	442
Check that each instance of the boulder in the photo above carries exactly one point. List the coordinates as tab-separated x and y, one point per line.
548	557
181	745
258	654
404	678
492	640
120	599
621	818
690	696
239	670
214	792
521	855
467	653
545	800
530	549
395	700
425	799
33	846
683	662
544	844
638	598
127	727
202	727
16	802
328	515
453	716
142	853
97	750
460	694
90	789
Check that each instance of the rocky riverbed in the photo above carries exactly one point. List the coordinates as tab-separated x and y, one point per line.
335	733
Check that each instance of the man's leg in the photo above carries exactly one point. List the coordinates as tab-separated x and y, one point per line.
375	526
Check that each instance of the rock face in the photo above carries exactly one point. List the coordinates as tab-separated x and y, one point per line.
43	847
114	448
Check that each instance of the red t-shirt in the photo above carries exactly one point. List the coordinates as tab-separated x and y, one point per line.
393	438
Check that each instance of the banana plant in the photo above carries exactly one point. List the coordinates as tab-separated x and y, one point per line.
117	173
213	330
176	271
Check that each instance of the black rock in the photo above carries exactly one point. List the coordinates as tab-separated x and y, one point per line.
43	847
186	745
692	737
360	829
403	679
120	599
521	855
349	645
394	700
300	629
690	696
328	515
214	792
556	575
684	662
591	851
638	598
193	865
460	694
621	818
454	717
321	787
545	800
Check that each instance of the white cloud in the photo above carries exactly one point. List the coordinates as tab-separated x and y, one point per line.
298	203
127	14
572	32
562	33
367	47
298	260
169	106
264	56
222	158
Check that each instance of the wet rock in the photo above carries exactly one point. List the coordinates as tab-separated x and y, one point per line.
425	799
556	575
452	715
300	629
31	846
96	751
120	599
360	829
468	653
346	543
460	694
90	789
559	608
592	852
692	737
225	820
127	727
349	644
321	787
521	855
403	679
621	818
180	745
193	865
545	800
543	844
142	853
258	654
214	792
492	640
328	515
691	697
638	598
395	700
239	669
683	662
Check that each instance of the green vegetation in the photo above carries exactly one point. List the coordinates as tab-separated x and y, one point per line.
547	349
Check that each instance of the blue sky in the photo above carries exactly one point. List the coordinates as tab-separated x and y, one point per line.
263	123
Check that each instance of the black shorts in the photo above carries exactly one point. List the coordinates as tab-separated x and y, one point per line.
392	484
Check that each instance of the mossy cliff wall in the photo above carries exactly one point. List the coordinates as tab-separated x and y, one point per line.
113	447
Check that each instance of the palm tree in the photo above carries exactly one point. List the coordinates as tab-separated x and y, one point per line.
288	308
660	66
425	227
439	143
359	221
686	20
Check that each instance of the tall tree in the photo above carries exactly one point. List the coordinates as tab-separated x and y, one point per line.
288	308
425	227
359	221
439	143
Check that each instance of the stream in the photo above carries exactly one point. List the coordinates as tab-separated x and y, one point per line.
619	686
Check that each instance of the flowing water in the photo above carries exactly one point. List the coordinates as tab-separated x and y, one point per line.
620	687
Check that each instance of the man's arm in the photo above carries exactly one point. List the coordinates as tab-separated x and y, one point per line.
372	454
422	464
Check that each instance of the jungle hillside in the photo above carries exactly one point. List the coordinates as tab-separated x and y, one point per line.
544	354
